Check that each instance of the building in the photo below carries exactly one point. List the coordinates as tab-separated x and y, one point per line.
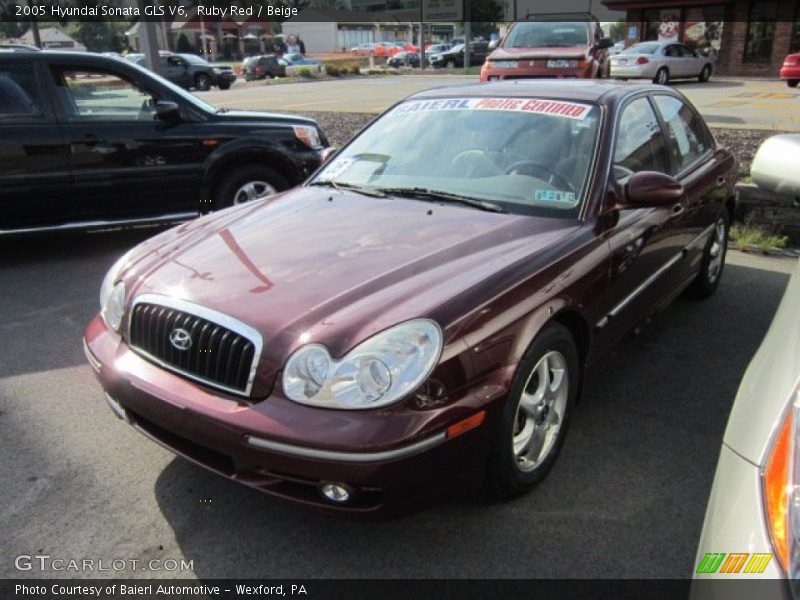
52	38
749	38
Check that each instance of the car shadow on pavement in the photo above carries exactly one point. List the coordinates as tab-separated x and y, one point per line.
625	499
54	280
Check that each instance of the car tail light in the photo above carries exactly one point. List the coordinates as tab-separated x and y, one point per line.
642	60
780	479
791	60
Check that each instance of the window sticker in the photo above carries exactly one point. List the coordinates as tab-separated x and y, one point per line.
557	108
553	196
336	168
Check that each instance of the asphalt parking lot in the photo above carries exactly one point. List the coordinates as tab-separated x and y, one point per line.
625	499
724	102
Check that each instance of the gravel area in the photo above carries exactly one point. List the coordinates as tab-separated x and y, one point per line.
340	126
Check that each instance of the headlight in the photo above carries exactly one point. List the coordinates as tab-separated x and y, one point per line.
308	135
112	295
380	371
216	71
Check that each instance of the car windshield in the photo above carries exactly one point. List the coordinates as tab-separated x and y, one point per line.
194	59
548	35
525	156
642	49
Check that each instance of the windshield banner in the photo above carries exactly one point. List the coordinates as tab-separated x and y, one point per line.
558	108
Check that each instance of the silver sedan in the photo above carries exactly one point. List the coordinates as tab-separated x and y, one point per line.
661	61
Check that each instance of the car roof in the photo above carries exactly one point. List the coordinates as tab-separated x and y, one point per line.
579	90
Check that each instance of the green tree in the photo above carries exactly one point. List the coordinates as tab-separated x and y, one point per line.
616	30
484	15
99	36
183	46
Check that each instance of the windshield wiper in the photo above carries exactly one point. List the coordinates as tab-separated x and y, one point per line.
350	187
419	192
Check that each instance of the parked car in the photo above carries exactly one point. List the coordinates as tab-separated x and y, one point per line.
410	321
454	57
661	62
261	67
365	49
88	140
436	48
753	509
191	71
301	60
617	48
404	59
552	46
790	71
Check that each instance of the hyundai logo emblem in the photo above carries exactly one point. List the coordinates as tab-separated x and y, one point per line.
180	338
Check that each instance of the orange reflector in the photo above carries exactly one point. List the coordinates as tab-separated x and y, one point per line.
777	482
465	425
210	142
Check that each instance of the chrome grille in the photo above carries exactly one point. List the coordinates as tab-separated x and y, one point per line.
223	352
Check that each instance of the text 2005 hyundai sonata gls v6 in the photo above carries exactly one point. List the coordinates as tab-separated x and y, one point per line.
420	312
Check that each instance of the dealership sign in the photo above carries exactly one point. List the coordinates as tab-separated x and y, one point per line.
442	10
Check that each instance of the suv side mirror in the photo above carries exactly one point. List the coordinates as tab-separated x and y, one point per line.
605	43
776	166
494	43
650	188
167	111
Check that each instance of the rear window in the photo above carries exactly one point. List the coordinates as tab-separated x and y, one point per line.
642	49
548	35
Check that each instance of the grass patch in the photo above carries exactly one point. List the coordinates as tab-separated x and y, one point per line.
745	236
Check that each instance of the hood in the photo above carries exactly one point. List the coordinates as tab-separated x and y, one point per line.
538	53
335	267
254	115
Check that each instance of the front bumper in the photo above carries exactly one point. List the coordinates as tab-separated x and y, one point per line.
396	460
536	69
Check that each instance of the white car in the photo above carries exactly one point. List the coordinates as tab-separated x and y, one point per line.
752	524
661	62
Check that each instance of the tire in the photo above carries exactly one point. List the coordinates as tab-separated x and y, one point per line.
224	86
792	83
705	74
510	471
662	76
232	189
713	262
450	64
202	82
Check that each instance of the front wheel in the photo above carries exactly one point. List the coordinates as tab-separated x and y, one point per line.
662	76
202	82
248	183
713	261
705	74
536	415
224	86
792	82
451	64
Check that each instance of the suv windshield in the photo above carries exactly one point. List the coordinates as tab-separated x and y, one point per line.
548	34
524	155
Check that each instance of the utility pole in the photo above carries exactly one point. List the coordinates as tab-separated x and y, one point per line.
148	41
467	35
37	39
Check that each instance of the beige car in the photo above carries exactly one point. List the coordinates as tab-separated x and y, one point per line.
752	524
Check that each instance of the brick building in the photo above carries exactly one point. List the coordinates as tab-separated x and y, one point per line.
749	37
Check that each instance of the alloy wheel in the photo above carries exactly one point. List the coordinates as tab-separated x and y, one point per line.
252	190
716	251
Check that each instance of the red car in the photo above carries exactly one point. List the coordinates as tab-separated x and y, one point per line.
791	69
547	48
419	314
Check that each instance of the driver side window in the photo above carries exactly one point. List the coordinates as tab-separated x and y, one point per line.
102	96
640	145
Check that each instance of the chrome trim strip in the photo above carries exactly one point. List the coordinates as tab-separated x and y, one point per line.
208	314
96	364
117	409
700	237
183	216
355	457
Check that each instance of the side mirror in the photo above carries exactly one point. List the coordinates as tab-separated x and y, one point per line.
650	188
776	166
167	111
605	43
494	44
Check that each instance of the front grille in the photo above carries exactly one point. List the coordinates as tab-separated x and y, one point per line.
217	355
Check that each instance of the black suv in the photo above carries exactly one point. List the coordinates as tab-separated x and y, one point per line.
262	67
192	71
454	57
87	139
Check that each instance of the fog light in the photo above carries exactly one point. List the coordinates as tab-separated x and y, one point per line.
335	492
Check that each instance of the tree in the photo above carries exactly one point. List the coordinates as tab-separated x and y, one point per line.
99	36
616	30
484	15
183	46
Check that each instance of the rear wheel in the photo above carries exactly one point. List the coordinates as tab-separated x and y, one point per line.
536	415
713	262
705	74
792	82
202	82
662	76
224	86
248	183
451	64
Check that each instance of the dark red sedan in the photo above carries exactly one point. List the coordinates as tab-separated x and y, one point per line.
419	314
790	71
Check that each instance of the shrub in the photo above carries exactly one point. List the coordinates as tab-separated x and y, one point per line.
305	73
333	70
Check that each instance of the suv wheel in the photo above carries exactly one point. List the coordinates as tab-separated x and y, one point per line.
202	82
536	414
248	183
224	86
451	64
